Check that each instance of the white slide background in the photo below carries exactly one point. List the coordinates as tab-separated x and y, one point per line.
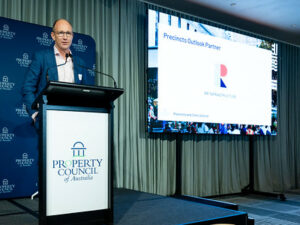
187	76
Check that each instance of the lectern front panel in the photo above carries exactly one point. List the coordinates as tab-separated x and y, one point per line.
76	162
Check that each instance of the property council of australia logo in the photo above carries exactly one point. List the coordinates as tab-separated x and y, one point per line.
6	34
25	61
79	47
21	112
44	40
5	84
78	167
91	72
6	187
25	161
5	136
78	149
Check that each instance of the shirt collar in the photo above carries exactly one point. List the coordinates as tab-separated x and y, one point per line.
56	52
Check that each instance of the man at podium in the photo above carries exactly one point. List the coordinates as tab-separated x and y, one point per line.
56	64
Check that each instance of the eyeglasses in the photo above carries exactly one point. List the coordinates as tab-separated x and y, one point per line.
62	33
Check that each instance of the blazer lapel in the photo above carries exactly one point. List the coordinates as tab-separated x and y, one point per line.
52	72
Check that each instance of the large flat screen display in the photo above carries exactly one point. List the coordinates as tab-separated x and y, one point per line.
204	79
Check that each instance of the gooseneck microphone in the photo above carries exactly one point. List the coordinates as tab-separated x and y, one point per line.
93	70
47	75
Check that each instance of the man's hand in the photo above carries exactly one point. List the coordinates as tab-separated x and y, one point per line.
34	115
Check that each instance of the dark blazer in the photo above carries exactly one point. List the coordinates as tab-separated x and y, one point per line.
44	62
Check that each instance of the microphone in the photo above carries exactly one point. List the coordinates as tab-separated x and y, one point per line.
87	68
47	76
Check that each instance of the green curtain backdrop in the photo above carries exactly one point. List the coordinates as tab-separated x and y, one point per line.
211	165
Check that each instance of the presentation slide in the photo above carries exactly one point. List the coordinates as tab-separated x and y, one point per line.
206	79
203	78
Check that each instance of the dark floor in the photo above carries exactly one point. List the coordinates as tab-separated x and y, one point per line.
268	210
265	210
139	208
133	208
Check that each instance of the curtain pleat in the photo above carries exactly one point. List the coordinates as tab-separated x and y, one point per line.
215	165
287	147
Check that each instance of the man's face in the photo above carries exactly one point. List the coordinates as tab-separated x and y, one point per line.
62	35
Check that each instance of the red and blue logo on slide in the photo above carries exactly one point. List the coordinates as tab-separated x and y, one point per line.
220	75
223	73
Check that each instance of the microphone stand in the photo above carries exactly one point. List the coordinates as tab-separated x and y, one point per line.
93	70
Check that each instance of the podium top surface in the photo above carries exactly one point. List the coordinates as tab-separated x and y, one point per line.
62	93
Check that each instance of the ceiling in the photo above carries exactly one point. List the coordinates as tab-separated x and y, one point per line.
276	19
